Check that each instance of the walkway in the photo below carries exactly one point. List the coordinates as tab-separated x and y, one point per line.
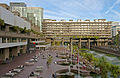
19	60
47	72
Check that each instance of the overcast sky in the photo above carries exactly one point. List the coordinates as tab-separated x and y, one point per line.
76	9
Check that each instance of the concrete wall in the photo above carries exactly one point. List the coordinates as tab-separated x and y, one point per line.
7	16
21	22
11	19
6	53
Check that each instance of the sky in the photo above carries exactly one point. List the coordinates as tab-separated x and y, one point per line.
76	9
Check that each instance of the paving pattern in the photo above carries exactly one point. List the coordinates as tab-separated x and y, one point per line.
19	60
47	72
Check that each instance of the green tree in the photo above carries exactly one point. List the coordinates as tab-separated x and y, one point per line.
104	68
2	22
49	60
115	71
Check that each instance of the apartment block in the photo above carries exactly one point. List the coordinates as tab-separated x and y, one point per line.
35	14
20	7
115	30
98	27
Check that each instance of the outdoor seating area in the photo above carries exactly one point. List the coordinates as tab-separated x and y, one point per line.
13	72
33	60
36	73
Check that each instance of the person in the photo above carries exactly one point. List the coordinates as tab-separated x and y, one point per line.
53	75
32	74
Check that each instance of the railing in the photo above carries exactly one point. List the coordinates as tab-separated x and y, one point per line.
13	44
13	34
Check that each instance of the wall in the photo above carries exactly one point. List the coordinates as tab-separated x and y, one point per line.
11	19
7	16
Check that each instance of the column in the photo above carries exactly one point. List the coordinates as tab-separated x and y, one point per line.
6	53
14	51
24	49
53	42
7	28
71	45
0	40
18	50
89	43
79	43
62	42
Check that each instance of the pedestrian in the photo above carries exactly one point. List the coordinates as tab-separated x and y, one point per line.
53	75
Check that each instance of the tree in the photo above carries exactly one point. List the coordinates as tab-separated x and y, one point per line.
115	71
2	22
49	60
58	43
104	68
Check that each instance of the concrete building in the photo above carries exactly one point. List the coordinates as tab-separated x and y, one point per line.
35	14
86	31
115	23
115	30
19	7
13	42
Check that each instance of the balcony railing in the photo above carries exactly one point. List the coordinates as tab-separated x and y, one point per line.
13	34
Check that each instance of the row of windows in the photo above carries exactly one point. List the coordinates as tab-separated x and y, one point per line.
9	40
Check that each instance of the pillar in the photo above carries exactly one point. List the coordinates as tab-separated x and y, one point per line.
53	42
79	43
106	43
71	46
24	49
7	28
14	51
18	50
63	42
89	43
0	40
6	53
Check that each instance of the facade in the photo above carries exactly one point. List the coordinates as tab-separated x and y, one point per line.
115	23
84	29
12	41
19	7
35	14
115	30
85	33
11	19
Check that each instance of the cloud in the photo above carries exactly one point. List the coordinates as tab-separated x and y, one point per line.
114	4
116	13
74	8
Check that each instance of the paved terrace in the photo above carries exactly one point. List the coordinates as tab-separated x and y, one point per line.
47	72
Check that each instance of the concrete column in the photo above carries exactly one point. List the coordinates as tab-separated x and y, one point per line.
71	46
14	51
0	40
7	28
18	50
6	40
95	44
6	53
98	44
79	43
63	42
54	42
89	43
17	39
106	43
24	49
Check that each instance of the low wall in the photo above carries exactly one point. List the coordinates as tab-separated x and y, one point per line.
107	51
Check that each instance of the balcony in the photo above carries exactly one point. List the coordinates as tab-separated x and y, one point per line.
6	45
13	34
